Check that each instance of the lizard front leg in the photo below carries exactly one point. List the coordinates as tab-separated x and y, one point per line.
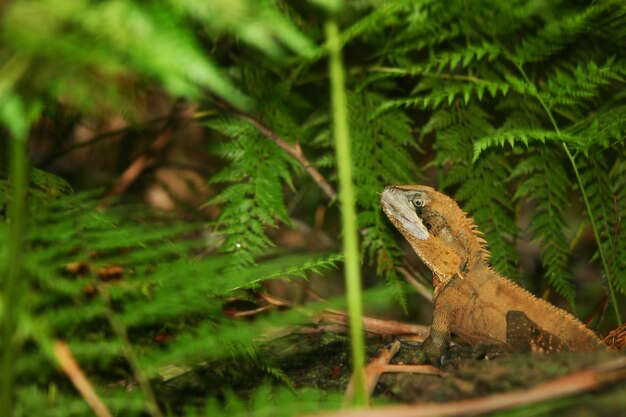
437	342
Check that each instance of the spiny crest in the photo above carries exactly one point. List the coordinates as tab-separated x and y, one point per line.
554	310
478	237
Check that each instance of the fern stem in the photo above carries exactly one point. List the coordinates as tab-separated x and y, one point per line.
13	280
596	234
348	212
605	264
409	71
152	405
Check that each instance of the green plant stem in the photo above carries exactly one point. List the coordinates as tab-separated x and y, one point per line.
12	274
348	212
596	234
605	264
152	405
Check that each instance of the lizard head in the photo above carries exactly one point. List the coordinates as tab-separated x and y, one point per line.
440	233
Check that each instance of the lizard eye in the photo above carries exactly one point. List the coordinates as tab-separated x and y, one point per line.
418	204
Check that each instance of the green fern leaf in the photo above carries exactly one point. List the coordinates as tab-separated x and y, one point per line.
258	169
544	181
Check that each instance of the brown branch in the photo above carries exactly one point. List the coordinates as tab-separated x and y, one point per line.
414	369
373	371
98	138
147	159
112	134
294	150
337	322
380	365
575	383
73	371
378	326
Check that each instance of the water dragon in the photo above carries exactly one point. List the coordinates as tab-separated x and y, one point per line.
471	299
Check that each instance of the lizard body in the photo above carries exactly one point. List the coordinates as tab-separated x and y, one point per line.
471	299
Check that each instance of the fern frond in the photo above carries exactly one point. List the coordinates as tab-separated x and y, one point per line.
471	54
594	173
574	90
557	34
491	207
458	126
606	128
196	283
429	24
380	147
544	181
70	243
526	137
493	210
267	401
257	23
435	93
258	170
596	178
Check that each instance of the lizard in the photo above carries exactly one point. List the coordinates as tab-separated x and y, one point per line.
471	299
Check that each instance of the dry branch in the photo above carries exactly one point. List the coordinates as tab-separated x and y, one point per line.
79	380
378	326
373	371
147	159
294	150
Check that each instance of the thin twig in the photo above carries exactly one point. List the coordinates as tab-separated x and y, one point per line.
145	126
146	159
575	383
98	138
294	150
414	369
409	275
76	375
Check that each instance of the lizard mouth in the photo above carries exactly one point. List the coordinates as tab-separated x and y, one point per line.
399	209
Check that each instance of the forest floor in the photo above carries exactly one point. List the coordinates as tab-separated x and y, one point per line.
322	360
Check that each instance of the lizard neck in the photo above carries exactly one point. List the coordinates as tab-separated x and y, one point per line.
454	229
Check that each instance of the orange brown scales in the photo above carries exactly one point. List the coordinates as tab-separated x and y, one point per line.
471	299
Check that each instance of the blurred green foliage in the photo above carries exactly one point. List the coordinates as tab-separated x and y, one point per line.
99	54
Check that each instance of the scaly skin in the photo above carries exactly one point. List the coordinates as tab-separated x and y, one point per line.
471	299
